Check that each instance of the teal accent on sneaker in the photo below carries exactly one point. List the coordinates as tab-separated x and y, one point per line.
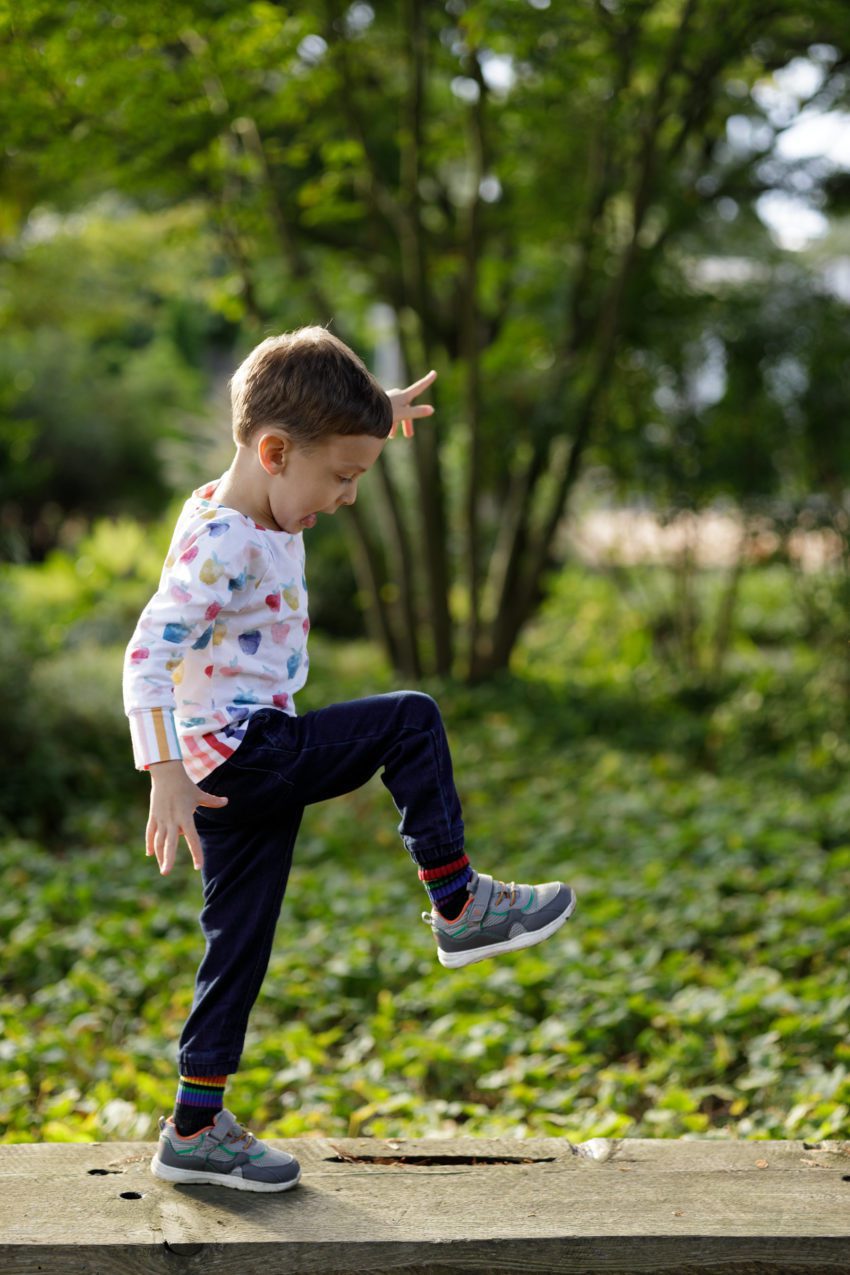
225	1154
530	914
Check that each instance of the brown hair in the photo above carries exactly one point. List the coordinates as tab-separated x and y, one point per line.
311	384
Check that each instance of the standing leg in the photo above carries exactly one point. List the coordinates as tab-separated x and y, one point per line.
246	868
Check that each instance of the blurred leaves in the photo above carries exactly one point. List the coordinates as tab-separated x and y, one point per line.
104	369
557	207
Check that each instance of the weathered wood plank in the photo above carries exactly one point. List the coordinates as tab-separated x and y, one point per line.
694	1207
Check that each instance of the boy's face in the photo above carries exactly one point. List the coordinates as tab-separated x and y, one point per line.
306	483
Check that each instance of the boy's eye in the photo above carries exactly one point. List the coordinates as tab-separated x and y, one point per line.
343	479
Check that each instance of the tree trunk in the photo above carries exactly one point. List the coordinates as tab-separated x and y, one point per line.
471	345
428	470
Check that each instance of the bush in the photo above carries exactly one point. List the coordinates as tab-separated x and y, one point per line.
72	750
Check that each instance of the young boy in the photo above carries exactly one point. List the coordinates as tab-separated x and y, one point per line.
210	676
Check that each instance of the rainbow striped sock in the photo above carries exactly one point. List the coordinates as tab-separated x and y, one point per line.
199	1100
446	881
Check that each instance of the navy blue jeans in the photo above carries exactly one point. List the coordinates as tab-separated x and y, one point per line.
282	765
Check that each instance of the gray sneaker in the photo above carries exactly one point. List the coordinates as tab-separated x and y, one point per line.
500	918
225	1154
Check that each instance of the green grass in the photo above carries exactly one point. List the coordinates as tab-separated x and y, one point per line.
701	988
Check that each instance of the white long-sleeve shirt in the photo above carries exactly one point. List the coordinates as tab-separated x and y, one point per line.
224	634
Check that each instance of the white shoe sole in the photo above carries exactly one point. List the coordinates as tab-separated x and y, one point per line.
454	960
170	1173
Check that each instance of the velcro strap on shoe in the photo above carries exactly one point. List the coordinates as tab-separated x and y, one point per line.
219	1132
481	901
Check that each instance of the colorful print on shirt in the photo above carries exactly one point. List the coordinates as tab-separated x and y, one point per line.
224	635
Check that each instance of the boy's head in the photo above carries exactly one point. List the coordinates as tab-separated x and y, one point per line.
310	384
309	418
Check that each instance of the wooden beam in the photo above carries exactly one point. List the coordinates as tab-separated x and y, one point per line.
433	1206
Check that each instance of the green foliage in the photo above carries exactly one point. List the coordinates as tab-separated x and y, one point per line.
93	592
533	195
731	389
103	373
699	990
71	764
64	627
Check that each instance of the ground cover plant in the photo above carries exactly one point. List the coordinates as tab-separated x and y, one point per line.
700	990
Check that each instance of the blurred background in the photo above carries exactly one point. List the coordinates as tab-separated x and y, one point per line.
619	555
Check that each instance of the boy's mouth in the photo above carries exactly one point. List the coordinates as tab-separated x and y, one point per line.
309	521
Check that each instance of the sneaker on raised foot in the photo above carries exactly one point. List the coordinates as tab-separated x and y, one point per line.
500	918
222	1153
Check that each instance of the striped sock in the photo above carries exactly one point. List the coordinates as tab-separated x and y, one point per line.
199	1100
446	881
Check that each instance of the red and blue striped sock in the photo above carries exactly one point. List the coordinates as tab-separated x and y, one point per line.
446	880
199	1100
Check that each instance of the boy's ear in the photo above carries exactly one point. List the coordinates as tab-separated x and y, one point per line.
273	451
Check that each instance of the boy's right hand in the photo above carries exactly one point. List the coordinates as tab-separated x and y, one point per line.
174	799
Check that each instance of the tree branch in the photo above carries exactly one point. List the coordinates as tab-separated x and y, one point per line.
381	199
252	140
509	552
602	151
369	569
471	344
604	344
399	548
246	131
414	256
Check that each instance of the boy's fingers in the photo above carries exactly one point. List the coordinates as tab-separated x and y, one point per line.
194	844
159	845
167	861
418	386
209	800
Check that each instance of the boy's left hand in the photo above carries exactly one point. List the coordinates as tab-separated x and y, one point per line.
402	405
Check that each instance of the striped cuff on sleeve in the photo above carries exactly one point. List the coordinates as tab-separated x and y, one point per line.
154	737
